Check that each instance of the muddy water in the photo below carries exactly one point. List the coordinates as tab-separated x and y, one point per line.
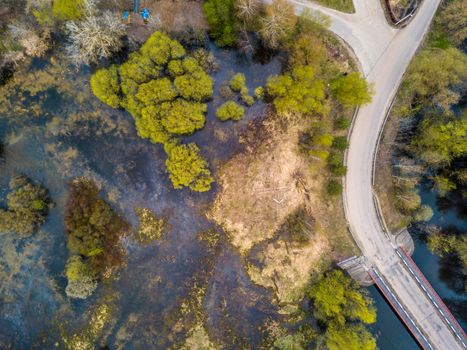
72	137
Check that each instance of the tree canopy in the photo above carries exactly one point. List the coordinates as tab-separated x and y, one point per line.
163	88
298	91
351	90
28	205
221	18
230	110
187	168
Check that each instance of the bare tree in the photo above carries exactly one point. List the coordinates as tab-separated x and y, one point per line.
279	19
247	9
94	38
34	45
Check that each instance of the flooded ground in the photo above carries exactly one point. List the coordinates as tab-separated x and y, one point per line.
72	134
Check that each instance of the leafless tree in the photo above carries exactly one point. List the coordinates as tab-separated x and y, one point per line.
94	38
247	9
34	44
279	19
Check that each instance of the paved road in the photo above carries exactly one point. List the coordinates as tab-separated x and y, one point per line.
384	54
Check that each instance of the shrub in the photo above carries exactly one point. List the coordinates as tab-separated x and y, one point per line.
334	188
259	93
187	168
230	110
248	100
336	164
424	213
28	205
340	143
343	123
238	82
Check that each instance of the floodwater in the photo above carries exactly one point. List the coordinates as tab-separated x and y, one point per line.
445	277
76	135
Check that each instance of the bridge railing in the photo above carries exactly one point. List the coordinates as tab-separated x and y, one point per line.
433	296
399	308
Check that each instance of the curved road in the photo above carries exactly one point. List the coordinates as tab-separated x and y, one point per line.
384	54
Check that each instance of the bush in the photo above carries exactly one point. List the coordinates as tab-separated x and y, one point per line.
230	110
187	168
343	123
248	100
259	93
238	82
336	164
334	188
28	205
340	143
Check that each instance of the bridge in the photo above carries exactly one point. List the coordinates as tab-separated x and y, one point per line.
384	53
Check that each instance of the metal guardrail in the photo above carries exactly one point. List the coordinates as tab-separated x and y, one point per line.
399	308
442	309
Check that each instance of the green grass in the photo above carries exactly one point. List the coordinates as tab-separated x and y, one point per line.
340	5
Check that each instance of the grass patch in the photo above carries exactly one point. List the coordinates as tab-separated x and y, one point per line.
340	5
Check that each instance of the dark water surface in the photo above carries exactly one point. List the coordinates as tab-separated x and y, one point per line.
82	137
447	214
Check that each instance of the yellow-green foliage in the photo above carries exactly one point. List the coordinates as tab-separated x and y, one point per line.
238	82
164	89
68	9
27	207
104	84
230	110
150	226
186	168
344	307
297	92
351	90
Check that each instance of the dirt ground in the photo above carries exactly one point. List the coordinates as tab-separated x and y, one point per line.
261	187
168	15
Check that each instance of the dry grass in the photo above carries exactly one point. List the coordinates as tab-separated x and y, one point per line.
260	189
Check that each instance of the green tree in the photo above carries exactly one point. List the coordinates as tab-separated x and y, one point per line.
338	298
67	10
195	86
187	168
424	213
439	141
306	50
349	337
297	92
452	21
221	18
156	91
230	110
105	86
351	90
443	185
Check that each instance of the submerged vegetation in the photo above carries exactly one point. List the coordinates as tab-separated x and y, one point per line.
93	234
27	207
